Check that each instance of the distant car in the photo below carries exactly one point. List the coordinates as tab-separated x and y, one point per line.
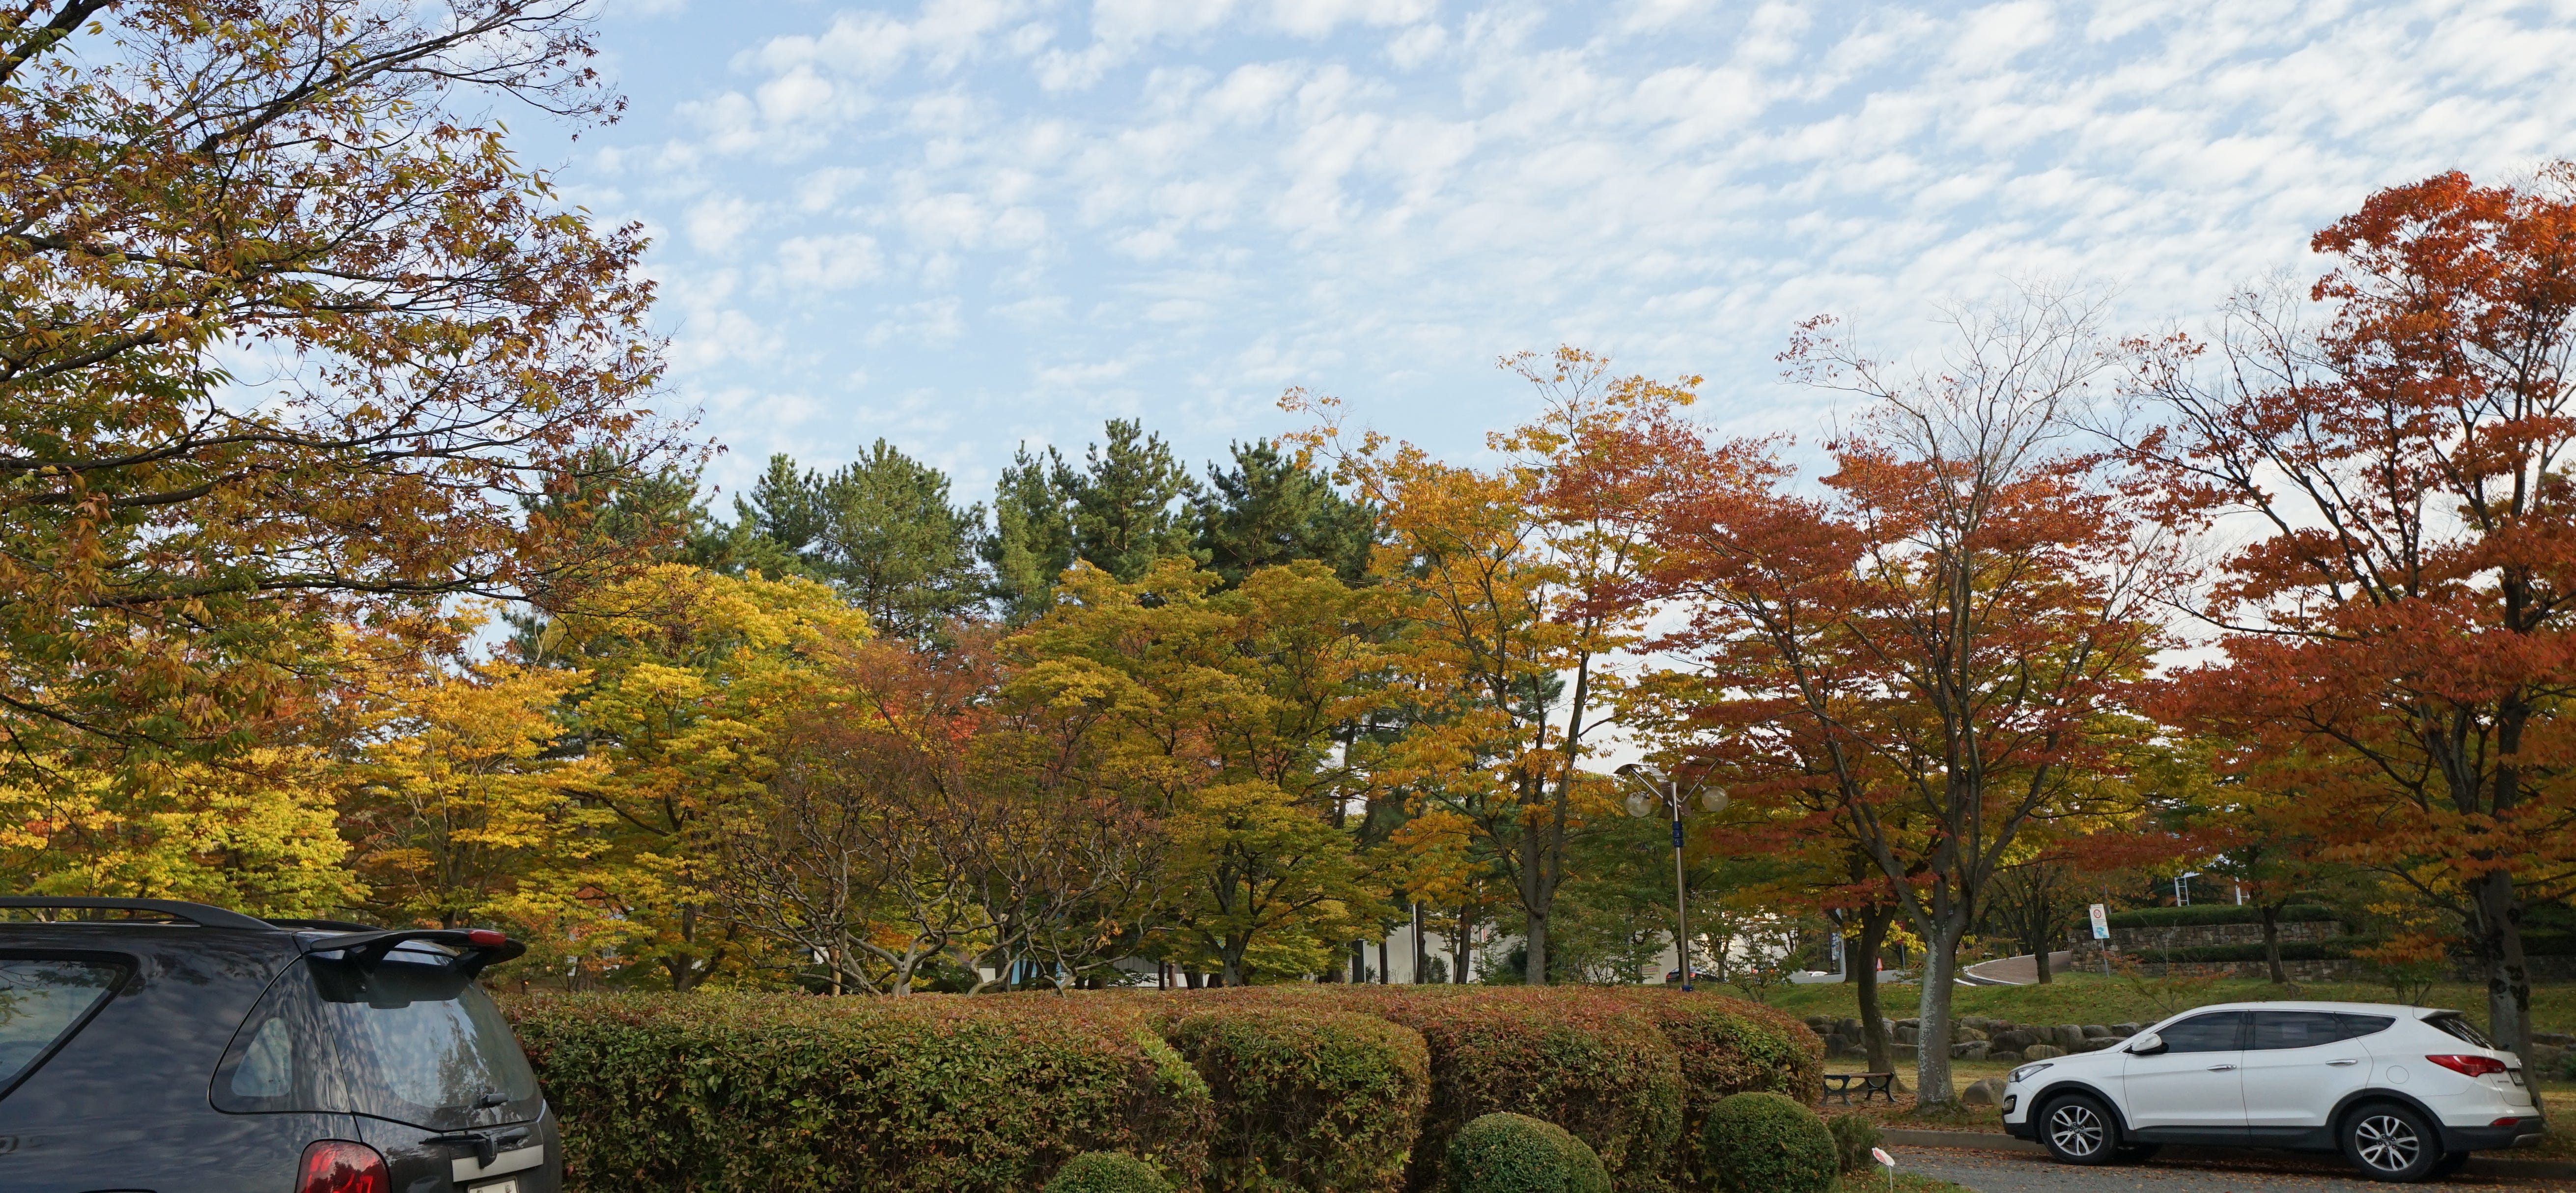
2403	1092
204	1051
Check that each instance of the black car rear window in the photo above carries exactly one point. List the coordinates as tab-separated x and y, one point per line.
43	1000
417	1043
2356	1026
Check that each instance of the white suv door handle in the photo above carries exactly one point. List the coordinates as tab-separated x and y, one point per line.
2340	1063
2220	1068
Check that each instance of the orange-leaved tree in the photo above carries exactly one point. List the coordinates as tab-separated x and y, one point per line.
1943	635
2398	614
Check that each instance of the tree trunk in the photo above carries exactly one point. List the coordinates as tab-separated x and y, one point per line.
1534	966
2499	942
1359	962
1862	959
1466	937
1940	967
1385	975
2040	954
2271	913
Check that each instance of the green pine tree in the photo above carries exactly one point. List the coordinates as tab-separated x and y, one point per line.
888	539
1132	505
1032	539
1268	511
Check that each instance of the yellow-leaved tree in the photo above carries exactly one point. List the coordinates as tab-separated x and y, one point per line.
1517	588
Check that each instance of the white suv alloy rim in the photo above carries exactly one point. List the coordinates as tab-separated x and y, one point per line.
2075	1129
2387	1142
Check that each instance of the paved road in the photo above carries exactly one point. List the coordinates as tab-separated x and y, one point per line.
2022	970
2013	1172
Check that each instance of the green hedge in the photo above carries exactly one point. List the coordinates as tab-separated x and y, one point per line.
1727	1047
1589	1060
723	1092
1107	1172
1269	1089
2333	948
1307	1098
2216	913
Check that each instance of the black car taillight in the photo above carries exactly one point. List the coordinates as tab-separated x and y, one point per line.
339	1166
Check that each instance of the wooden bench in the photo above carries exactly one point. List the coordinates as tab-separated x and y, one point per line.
1839	1085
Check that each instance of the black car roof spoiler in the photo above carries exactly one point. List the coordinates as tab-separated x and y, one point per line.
477	948
194	913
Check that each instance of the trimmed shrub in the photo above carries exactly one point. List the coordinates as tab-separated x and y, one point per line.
720	1092
1854	1135
1307	1098
1514	1153
1729	1046
1585	1059
1765	1143
1107	1172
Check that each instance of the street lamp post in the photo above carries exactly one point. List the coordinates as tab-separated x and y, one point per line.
1647	788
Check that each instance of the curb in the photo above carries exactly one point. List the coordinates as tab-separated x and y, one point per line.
2483	1164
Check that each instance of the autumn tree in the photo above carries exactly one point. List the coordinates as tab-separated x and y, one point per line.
1217	714
2396	620
456	809
1948	623
922	821
286	328
1509	579
692	677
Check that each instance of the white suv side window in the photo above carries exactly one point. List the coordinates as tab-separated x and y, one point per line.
2217	1032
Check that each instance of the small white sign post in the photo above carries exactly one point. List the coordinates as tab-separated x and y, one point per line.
2102	932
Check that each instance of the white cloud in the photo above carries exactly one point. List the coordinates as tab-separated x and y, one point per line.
828	263
716	222
1380	195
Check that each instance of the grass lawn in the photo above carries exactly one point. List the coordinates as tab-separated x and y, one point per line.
1906	1182
2093	998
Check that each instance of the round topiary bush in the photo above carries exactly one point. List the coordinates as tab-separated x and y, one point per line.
1765	1143
1853	1136
1514	1153
1107	1172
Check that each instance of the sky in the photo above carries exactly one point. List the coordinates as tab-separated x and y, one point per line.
965	225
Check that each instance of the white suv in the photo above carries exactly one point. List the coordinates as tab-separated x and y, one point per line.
2405	1093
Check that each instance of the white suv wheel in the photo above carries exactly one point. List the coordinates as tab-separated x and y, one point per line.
2077	1130
2391	1143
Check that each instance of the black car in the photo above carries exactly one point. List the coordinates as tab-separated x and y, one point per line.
183	1048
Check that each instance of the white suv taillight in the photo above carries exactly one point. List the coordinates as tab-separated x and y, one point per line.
339	1166
2469	1066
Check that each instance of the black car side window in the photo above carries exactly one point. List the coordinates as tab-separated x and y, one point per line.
2354	1027
2295	1029
44	1000
2218	1031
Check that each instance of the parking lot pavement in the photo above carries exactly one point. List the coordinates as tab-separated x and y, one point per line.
2014	1172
